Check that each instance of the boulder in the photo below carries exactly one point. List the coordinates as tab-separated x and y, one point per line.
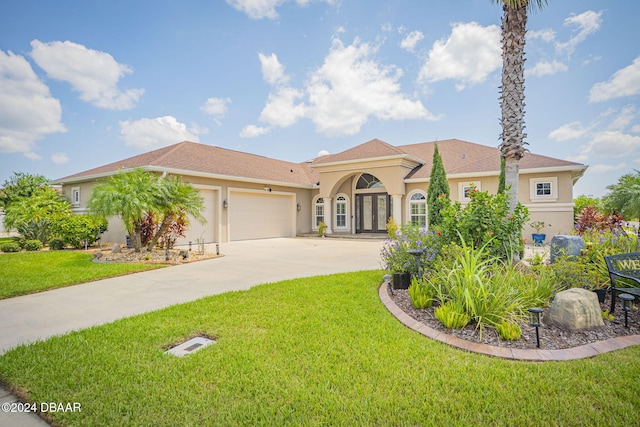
566	245
116	249
575	309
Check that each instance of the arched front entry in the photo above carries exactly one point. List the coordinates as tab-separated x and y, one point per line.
373	205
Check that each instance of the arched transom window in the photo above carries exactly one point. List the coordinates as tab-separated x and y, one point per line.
367	181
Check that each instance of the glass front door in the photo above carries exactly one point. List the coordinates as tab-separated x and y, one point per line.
372	213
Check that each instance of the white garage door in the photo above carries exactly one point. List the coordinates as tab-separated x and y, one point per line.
259	216
202	231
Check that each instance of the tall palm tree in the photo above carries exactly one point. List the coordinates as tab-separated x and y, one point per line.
512	147
129	195
175	199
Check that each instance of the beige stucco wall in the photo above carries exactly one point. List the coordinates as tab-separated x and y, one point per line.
556	210
219	218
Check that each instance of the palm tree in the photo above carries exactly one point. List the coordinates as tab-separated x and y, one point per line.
129	195
175	199
514	28
625	196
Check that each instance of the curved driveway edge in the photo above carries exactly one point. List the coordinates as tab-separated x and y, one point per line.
533	355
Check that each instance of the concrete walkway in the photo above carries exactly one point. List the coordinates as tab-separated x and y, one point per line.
244	264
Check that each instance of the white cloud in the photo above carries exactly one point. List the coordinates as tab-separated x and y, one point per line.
252	131
469	55
627	115
602	168
149	134
258	9
59	158
411	40
28	112
351	86
568	131
545	68
216	108
93	73
612	144
323	153
339	96
587	23
282	109
546	35
272	70
624	82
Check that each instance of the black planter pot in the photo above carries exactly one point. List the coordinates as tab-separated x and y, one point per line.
401	280
602	294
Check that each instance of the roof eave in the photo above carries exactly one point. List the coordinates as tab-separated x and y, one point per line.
578	169
184	172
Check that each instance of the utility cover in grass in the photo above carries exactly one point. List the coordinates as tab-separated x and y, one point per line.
190	346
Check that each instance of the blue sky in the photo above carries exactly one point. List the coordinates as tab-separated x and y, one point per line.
85	83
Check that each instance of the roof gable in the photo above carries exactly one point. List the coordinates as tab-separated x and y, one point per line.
369	150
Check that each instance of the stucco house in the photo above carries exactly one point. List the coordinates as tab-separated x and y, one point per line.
247	196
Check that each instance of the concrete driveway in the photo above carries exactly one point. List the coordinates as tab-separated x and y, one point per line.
245	264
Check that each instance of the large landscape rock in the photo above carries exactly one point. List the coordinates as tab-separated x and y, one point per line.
575	309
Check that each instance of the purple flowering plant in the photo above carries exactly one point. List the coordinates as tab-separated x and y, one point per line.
394	253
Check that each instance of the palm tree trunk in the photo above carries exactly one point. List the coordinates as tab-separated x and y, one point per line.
514	23
164	225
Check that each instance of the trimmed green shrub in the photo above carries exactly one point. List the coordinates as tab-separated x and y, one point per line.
33	245
509	331
56	244
76	230
10	247
452	316
421	293
485	221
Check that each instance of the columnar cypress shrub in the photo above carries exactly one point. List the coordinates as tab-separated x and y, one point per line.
438	185
502	180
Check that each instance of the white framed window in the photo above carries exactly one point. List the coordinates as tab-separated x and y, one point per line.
544	189
341	211
318	211
465	188
75	196
418	209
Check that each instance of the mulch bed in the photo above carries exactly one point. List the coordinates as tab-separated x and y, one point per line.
551	337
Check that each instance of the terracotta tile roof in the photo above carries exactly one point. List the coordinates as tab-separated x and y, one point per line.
207	159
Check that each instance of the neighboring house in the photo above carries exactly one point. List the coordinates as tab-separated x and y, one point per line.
251	197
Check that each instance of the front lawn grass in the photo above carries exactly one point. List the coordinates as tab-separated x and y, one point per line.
314	351
28	272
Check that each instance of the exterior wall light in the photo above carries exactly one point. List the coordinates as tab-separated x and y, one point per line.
225	204
299	207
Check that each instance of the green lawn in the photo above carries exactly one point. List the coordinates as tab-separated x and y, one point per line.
316	351
28	272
